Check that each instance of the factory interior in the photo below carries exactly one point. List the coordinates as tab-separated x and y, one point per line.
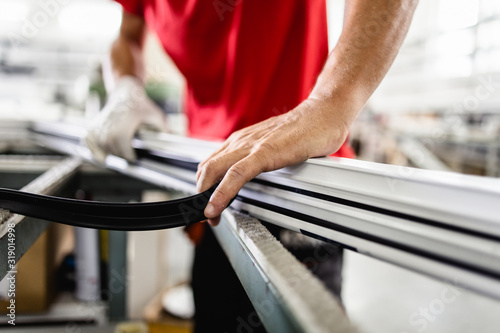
402	238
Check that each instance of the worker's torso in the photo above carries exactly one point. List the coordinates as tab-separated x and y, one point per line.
244	61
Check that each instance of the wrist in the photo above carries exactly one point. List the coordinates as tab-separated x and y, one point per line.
329	121
128	89
128	83
335	113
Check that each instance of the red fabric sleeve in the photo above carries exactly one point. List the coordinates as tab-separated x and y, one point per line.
134	7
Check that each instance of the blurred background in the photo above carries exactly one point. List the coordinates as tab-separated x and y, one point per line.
438	108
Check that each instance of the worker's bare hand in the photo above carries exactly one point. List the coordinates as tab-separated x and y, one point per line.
312	129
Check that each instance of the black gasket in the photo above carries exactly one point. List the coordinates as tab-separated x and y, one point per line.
106	215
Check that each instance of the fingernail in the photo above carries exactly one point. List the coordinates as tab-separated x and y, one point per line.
210	210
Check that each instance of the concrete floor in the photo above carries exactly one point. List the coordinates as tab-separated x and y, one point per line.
382	298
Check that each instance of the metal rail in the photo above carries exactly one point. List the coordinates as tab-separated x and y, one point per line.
442	224
25	229
285	294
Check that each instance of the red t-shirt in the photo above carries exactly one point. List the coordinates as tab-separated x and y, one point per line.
244	61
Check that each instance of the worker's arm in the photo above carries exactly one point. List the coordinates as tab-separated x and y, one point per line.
373	33
128	106
126	51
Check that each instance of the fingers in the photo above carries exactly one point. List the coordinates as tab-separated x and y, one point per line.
238	161
125	149
234	179
214	168
201	166
120	144
91	141
225	146
101	143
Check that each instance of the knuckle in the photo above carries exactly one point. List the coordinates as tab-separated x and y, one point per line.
210	164
207	171
236	135
238	171
264	159
198	173
208	168
267	147
233	136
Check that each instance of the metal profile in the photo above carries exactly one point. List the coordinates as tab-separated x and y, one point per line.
28	229
284	293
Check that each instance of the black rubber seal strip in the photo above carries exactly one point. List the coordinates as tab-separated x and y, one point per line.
105	215
328	240
158	156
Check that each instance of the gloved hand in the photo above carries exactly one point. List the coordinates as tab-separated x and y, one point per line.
128	107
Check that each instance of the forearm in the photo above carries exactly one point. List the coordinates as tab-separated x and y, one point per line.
127	106
373	33
126	59
126	51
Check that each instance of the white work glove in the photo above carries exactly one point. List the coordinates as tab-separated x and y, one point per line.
128	107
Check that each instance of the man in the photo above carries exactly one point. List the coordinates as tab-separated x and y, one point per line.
246	63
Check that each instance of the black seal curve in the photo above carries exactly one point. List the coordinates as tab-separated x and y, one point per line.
108	215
